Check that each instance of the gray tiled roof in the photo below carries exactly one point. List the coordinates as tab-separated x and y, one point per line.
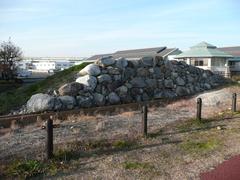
166	51
137	53
98	56
234	50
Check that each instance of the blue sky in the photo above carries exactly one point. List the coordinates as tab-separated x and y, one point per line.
87	27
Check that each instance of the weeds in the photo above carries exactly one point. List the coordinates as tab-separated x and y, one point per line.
137	165
202	146
193	124
25	169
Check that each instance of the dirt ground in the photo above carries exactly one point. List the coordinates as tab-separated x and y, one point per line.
178	146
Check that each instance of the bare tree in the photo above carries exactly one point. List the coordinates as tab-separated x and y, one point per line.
9	54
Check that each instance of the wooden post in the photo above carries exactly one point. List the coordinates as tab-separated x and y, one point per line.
144	120
49	141
234	102
199	109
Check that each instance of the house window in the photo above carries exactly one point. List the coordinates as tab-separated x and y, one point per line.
198	63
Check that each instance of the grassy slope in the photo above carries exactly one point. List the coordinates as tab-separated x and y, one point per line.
15	98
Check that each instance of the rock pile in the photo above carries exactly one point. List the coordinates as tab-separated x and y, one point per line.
114	81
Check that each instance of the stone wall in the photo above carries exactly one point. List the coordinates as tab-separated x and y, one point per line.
115	81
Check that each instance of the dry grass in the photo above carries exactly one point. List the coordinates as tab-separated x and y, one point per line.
129	114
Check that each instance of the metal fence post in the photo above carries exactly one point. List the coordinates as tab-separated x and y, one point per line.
144	120
234	102
49	141
199	109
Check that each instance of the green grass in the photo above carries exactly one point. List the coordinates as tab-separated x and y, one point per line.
200	146
25	169
15	98
137	165
193	124
121	144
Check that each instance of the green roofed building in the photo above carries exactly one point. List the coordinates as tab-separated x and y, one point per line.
207	56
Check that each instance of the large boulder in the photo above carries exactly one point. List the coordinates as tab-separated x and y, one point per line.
122	91
180	81
182	91
138	82
89	81
113	98
84	101
147	61
70	89
43	102
104	78
91	69
216	98
99	99
168	83
113	71
68	102
105	61
121	63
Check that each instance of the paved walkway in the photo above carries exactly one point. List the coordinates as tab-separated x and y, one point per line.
228	170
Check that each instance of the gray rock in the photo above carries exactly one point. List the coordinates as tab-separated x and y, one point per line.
159	60
70	89
168	65
216	98
190	79
117	77
89	81
180	81
169	94
114	85
134	64
147	61
126	99
128	73
174	75
142	72
91	69
105	61
182	91
113	71
104	78
42	102
99	99
152	83
158	94
121	63
168	83
128	85
136	91
113	98
207	86
84	101
122	91
160	83
138	82
157	72
145	97
68	102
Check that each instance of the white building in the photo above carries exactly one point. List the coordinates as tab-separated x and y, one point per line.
50	65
